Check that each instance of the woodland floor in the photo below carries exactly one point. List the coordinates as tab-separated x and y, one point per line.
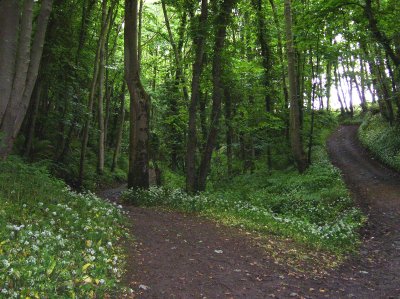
185	256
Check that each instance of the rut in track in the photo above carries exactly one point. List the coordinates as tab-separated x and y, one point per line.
185	256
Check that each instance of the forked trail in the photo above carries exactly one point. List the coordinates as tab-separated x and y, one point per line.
185	256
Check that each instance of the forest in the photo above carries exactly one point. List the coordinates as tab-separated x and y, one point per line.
213	128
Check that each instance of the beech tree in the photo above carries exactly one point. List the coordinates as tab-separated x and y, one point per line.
235	86
20	55
138	176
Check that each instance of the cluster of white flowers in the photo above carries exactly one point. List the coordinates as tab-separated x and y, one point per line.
45	252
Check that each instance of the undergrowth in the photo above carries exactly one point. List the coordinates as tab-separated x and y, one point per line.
382	140
55	243
314	208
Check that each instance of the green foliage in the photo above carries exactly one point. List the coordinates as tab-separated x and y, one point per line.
314	208
54	241
382	140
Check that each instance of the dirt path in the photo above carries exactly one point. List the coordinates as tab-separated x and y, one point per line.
184	256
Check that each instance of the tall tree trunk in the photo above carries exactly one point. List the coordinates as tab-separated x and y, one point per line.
328	84
266	63
120	128
35	111
364	105
20	63
295	129
229	129
138	176
280	51
92	92
335	71
222	21
9	27
191	146
100	113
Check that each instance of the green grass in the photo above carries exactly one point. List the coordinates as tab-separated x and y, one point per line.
314	208
381	140
55	243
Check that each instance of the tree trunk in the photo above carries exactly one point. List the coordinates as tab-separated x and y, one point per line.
100	112
32	125
280	52
379	35
120	128
95	79
21	65
266	63
191	146
222	21
229	129
364	105
295	130
138	176
335	71
9	26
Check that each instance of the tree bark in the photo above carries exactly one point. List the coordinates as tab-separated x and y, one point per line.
295	130
222	21
263	40
335	71
120	128
138	176
9	26
229	129
19	87
96	71
191	146
32	126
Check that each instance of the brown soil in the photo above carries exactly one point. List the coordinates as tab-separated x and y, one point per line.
185	256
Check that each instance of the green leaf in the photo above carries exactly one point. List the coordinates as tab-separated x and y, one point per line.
51	268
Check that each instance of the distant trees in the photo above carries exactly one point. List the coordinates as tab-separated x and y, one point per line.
208	83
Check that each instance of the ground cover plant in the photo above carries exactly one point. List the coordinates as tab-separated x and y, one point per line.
381	139
314	208
55	243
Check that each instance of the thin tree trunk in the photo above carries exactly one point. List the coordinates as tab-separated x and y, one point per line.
120	128
335	71
295	125
32	126
100	112
85	137
141	4
280	52
328	84
267	65
229	129
364	105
